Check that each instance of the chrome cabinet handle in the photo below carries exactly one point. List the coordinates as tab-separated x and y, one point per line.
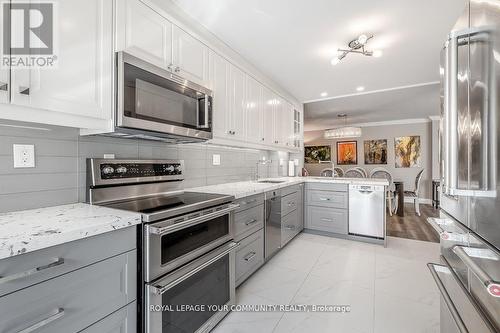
160	290
170	67
290	227
326	220
59	314
447	299
24	90
177	69
262	139
291	203
324	199
251	222
4	86
492	286
249	256
165	230
16	276
248	202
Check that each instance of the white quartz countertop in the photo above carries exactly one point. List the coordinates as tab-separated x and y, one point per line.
35	229
247	188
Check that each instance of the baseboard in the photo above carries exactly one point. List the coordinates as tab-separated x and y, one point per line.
421	200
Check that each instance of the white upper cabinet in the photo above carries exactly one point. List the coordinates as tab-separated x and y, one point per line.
81	83
190	57
237	107
268	101
143	32
254	129
219	83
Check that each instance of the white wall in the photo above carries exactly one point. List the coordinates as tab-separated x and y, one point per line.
389	132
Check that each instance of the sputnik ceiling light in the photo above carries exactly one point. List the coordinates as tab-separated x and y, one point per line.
343	132
356	46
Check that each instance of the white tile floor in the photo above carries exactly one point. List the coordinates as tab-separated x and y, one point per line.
389	289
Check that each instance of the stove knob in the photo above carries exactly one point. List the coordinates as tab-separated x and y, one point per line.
108	170
177	170
121	170
169	168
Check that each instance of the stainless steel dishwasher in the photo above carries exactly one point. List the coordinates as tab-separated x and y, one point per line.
367	210
272	234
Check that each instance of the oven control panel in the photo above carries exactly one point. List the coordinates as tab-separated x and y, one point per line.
139	170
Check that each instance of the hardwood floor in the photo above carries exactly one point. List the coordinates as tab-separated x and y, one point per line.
412	226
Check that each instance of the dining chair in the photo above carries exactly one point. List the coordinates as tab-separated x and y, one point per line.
414	195
391	195
338	172
363	171
328	172
354	173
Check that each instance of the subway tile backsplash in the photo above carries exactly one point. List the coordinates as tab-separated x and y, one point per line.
59	175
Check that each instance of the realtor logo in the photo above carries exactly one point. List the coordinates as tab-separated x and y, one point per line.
28	34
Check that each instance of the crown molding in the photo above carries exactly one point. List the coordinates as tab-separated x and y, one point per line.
424	84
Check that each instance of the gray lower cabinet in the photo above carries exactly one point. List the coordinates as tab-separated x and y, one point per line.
249	256
121	321
248	221
327	208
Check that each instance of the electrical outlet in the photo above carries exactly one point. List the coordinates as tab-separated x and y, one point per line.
215	159
24	156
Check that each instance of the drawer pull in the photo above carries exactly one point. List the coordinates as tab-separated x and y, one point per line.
290	227
251	222
324	219
324	199
59	314
492	286
249	256
57	262
248	202
291	203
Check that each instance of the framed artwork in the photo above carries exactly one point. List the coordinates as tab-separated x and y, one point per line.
375	151
407	152
317	154
347	152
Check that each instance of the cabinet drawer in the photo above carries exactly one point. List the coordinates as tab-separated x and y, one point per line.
250	256
290	227
248	221
249	202
289	203
34	267
289	189
327	219
74	301
121	321
327	187
327	199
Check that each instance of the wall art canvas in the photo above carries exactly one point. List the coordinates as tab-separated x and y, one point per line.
347	152
407	152
317	154
375	151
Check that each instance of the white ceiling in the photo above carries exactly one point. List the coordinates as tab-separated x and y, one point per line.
293	41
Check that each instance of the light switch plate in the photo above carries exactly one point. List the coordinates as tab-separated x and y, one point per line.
215	159
24	156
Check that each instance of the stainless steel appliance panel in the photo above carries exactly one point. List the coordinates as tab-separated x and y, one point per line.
206	281
272	234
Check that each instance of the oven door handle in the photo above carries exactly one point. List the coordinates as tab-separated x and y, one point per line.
171	228
159	289
492	286
447	299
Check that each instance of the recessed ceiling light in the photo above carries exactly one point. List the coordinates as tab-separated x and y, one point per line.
377	53
324	94
360	88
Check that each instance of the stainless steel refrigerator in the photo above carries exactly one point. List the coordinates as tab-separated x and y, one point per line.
468	276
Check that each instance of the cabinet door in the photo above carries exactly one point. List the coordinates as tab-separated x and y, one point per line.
254	111
219	83
82	82
268	102
278	121
237	95
190	57
143	32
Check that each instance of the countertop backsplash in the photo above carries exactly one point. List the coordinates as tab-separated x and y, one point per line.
59	176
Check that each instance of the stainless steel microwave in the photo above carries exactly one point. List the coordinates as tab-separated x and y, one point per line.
153	103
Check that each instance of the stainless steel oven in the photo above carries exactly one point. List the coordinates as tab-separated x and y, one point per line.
195	297
156	103
171	243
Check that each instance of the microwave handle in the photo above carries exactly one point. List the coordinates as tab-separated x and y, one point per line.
207	105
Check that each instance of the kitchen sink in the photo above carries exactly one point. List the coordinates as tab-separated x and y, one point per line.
271	181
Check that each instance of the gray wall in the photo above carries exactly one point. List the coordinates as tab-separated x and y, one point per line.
388	132
60	173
